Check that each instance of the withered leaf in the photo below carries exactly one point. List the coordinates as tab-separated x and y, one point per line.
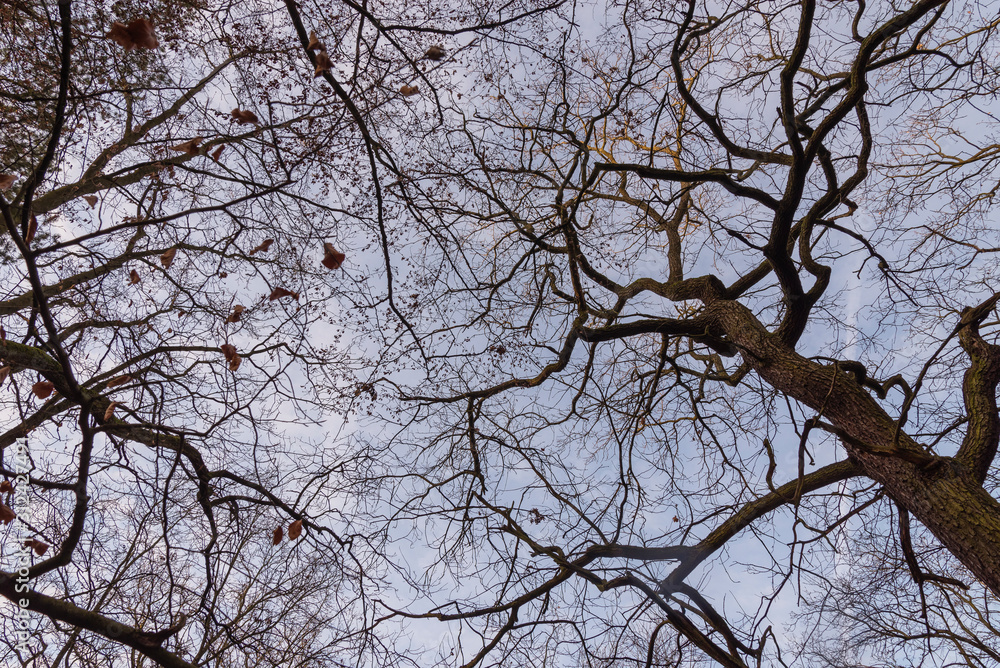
436	52
168	257
133	277
190	146
118	380
43	389
110	411
141	31
217	152
294	529
4	372
244	116
5	486
32	229
136	35
323	63
234	359
7	181
332	258
119	35
277	535
38	546
264	245
6	514
236	314
314	43
91	200
407	91
278	293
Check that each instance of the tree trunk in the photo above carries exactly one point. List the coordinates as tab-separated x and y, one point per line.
941	492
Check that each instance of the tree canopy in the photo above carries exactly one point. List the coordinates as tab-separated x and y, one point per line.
541	333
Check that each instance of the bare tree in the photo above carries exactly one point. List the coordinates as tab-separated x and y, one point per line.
707	295
658	323
179	181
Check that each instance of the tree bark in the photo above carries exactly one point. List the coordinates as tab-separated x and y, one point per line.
941	492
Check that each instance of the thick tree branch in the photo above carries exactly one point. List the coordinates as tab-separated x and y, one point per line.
146	643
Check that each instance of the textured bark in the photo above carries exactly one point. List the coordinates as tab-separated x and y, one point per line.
145	643
979	391
942	493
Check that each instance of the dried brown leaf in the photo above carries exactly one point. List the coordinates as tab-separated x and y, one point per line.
7	181
110	411
142	34
217	152
91	200
190	146
294	529
314	43
167	258
407	91
264	245
136	35
236	314
232	357
277	535
6	486
43	389
244	116
323	63
119	35
4	372
278	293
32	229
38	546
118	380
6	514
133	277
436	52
332	258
